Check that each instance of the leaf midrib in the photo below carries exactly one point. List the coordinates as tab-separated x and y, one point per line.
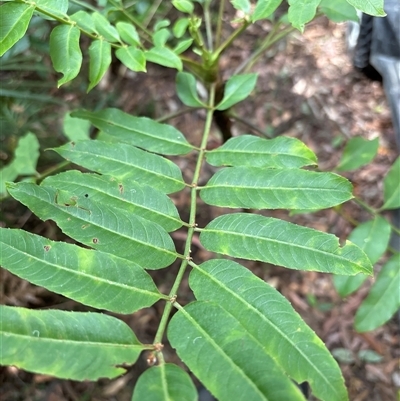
124	200
270	323
129	165
80	273
221	351
225	231
168	140
64	341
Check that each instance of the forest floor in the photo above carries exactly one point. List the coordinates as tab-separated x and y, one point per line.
307	89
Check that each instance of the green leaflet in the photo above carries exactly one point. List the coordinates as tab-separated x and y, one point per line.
57	8
185	6
68	345
338	10
13	28
164	57
76	129
128	33
357	153
226	359
237	88
140	200
182	46
93	278
95	224
161	37
248	150
391	187
270	319
84	21
383	299
373	238
65	52
265	8
270	240
372	7
24	162
261	188
104	28
100	60
165	382
301	12
242	5
125	162
132	58
138	131
180	27
187	91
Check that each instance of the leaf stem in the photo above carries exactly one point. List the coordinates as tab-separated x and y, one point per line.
218	33
207	19
273	37
134	20
231	38
365	206
192	219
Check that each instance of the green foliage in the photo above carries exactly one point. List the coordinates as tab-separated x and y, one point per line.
391	187
239	336
77	346
357	153
23	163
383	300
373	238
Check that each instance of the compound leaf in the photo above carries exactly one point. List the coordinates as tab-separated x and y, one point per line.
391	187
14	26
100	60
373	238
68	345
125	162
164	382
220	352
248	150
261	309
97	225
383	299
260	188
139	199
279	242
65	52
93	278
142	132
237	88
